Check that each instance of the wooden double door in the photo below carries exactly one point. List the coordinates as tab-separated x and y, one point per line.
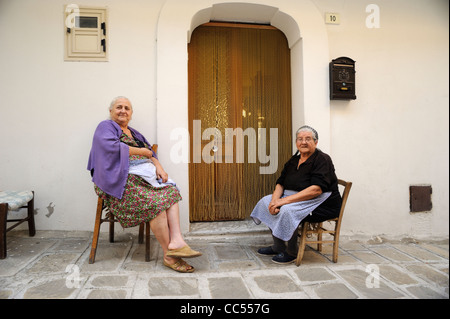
239	79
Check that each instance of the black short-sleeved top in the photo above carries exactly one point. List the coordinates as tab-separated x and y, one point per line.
318	170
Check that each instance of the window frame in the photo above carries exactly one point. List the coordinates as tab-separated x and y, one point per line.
75	37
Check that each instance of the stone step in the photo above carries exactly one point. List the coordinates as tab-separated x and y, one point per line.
226	231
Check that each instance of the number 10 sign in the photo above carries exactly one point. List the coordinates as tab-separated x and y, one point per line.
332	18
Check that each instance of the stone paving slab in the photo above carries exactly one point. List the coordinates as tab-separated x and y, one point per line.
54	265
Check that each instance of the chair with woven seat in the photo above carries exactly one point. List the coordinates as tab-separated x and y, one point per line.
11	201
312	233
109	217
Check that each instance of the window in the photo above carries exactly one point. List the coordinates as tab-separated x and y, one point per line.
85	33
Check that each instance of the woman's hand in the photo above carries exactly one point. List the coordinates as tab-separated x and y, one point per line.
275	206
143	151
147	152
160	173
276	202
308	193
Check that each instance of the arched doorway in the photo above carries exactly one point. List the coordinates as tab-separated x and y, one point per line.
309	71
239	117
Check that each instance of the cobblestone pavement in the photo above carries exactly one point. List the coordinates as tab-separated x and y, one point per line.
54	264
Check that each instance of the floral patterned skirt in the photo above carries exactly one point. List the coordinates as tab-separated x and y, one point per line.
140	201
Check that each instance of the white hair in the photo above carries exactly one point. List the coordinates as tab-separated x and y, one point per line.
306	128
114	101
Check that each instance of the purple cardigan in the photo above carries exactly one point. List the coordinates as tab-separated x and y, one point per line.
109	158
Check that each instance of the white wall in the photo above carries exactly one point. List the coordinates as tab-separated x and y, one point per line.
50	108
394	135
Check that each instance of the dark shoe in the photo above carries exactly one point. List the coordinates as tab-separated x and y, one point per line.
283	258
266	251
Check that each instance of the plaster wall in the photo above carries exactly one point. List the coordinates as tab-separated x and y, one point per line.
395	133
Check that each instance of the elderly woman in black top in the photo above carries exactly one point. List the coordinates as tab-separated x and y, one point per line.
306	190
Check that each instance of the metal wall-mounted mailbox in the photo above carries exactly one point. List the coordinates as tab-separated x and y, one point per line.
342	79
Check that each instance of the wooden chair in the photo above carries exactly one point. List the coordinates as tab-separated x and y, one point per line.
15	201
109	217
315	231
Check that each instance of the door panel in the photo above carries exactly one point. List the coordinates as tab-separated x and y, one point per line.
239	77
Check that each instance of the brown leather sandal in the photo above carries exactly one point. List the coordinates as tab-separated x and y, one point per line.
180	266
183	252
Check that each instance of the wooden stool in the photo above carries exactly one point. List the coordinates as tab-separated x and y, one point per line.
14	201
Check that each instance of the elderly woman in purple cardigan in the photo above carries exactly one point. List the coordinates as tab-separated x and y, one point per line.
134	186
